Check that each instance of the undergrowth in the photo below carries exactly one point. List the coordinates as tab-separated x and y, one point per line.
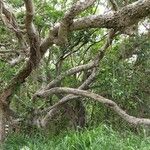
100	138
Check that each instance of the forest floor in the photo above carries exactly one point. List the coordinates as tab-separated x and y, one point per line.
100	138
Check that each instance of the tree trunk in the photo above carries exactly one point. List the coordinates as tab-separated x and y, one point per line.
80	117
2	123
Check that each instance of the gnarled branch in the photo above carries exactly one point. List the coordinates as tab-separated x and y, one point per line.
109	103
68	19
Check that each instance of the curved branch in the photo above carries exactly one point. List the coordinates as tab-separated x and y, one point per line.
124	17
34	58
109	103
127	16
84	86
68	19
80	68
119	20
10	21
52	111
71	72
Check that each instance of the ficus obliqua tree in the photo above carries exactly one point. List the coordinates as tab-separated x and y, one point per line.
69	40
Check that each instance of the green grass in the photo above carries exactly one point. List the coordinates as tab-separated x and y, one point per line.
101	138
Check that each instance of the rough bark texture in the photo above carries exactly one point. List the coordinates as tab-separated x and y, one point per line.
124	17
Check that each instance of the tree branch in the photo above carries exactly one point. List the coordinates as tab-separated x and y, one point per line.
127	16
124	17
114	5
10	21
109	103
68	19
85	84
33	59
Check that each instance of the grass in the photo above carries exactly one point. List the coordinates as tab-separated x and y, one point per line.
100	138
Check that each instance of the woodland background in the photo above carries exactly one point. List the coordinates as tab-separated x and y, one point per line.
75	74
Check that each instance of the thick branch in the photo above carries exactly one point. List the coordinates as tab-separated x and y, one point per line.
32	33
96	97
10	21
68	19
29	17
33	59
84	85
25	71
71	72
52	111
88	66
124	17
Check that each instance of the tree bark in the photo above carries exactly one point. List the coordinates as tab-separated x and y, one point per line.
2	123
80	115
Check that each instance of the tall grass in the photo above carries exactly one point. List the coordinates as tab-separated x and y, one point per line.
100	138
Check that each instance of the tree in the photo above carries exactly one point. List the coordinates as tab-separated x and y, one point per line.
73	35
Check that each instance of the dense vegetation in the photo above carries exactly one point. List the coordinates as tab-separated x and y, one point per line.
101	138
71	69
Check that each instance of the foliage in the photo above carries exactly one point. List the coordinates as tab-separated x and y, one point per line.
102	137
